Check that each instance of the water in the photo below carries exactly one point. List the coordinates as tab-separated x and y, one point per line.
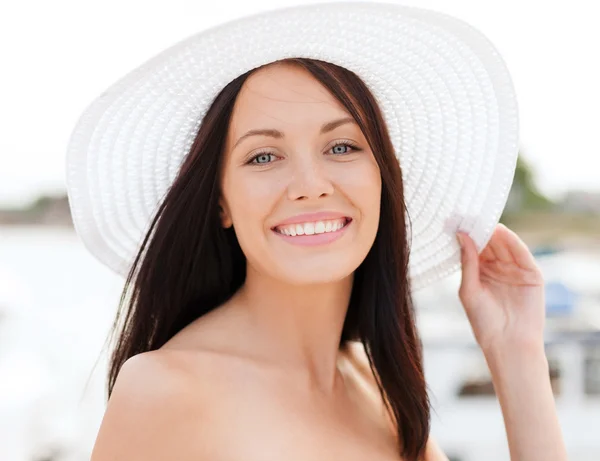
57	304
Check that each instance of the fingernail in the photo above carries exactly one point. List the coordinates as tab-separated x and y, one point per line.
461	239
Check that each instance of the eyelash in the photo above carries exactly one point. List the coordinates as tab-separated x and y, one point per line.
337	143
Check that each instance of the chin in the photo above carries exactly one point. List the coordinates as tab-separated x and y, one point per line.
308	280
314	274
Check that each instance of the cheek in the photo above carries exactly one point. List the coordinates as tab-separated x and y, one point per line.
251	199
370	203
362	185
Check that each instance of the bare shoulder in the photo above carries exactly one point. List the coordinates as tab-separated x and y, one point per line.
433	452
150	409
355	367
361	370
163	400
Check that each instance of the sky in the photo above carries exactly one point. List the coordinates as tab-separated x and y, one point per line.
58	56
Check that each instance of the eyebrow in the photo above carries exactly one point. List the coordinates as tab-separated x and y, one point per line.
329	126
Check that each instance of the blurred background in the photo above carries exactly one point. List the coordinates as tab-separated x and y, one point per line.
57	302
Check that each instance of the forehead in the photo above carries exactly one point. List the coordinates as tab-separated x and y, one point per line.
284	97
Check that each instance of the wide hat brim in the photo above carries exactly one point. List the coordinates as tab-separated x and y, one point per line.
444	90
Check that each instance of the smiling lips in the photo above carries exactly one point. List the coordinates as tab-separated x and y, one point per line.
311	228
316	232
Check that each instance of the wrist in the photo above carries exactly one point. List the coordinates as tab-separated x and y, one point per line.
516	356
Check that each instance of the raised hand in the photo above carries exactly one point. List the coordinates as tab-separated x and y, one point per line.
502	291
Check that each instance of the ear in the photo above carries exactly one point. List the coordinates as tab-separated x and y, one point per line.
224	214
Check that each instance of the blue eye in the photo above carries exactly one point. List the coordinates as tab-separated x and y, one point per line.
261	158
338	147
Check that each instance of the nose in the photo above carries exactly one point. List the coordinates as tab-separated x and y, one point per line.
309	179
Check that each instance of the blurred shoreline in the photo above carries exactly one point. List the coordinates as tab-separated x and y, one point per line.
562	230
46	210
562	224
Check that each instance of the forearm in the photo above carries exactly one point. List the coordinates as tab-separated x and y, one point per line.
522	384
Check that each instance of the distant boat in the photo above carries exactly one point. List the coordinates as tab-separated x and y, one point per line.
545	250
560	299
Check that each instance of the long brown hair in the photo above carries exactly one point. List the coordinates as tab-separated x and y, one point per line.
188	264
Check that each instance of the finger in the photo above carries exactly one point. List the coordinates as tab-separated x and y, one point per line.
498	246
469	262
488	254
518	249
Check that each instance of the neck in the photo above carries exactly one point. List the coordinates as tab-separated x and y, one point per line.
297	326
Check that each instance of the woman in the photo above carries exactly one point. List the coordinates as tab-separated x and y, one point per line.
267	313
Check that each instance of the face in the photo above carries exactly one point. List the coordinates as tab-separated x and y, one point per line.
300	184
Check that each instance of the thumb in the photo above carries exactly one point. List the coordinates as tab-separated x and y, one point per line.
470	265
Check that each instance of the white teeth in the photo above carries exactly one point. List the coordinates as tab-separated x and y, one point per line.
311	228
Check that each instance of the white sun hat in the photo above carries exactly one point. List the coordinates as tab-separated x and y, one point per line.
445	92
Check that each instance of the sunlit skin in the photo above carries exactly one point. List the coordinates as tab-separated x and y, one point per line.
261	377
